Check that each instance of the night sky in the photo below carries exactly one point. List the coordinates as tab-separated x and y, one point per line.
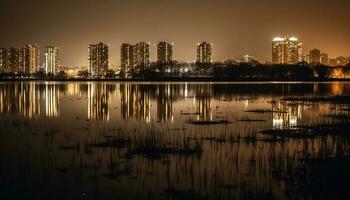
235	27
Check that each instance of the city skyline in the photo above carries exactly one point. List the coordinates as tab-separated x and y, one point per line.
239	28
27	59
135	57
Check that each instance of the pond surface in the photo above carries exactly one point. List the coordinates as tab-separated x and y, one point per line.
110	140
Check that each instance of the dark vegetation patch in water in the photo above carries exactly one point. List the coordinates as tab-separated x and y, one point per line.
248	139
265	111
304	132
154	148
112	143
189	113
151	145
329	99
338	116
246	119
209	122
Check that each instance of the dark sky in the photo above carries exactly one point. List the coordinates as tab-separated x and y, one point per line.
235	27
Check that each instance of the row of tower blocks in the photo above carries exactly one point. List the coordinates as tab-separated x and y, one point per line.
289	50
26	60
137	56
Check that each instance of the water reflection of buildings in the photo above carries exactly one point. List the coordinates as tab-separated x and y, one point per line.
152	102
22	99
73	89
98	96
165	103
27	99
135	101
52	95
202	101
333	89
285	116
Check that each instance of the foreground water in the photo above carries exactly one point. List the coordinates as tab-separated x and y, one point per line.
107	140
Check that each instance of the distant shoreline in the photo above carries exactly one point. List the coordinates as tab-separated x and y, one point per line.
180	79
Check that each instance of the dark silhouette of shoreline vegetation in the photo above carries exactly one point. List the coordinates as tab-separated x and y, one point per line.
219	71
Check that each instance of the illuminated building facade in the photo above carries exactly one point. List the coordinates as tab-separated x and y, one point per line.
14	60
305	58
247	59
286	50
4	60
51	60
332	62
164	52
324	59
315	56
126	56
135	57
29	59
204	51
141	55
277	50
98	60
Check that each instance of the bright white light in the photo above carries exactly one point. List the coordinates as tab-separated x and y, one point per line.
277	123
278	39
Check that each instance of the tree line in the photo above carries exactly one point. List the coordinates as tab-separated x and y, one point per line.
225	71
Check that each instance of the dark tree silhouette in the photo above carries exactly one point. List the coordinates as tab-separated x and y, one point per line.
322	71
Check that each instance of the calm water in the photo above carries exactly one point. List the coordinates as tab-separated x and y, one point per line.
106	140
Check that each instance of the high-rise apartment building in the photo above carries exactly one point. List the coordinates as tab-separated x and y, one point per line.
315	56
164	52
324	59
141	55
305	58
204	51
98	59
278	50
29	59
135	57
126	56
286	50
4	60
14	60
332	62
51	60
9	60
